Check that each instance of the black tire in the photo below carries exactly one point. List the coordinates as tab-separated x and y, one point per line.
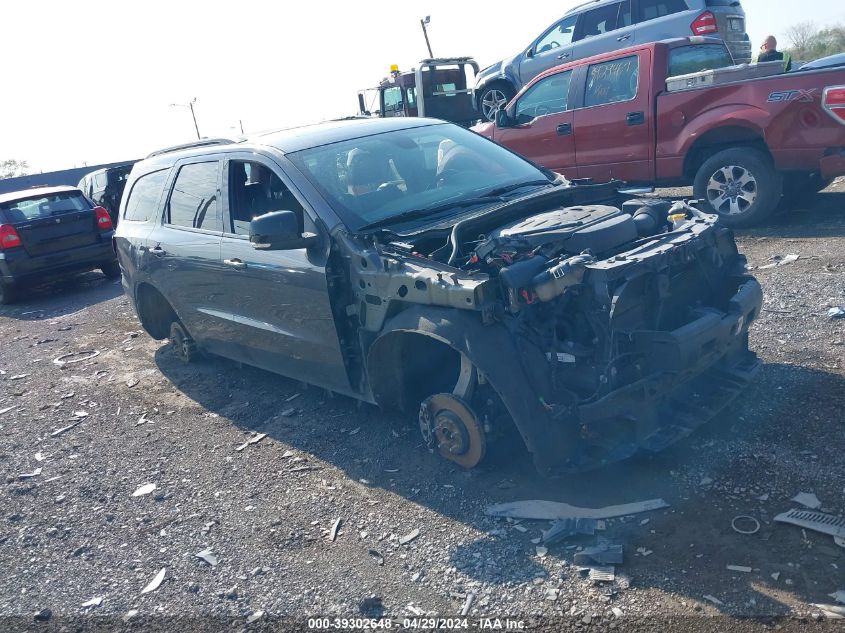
798	188
492	98
183	345
743	171
111	270
8	294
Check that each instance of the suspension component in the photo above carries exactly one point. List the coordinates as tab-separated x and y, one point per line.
449	425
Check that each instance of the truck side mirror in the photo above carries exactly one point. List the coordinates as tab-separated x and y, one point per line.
279	231
503	119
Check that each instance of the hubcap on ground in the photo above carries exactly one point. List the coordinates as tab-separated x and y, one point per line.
449	425
732	190
492	102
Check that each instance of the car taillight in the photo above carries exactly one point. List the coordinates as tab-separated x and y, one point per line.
704	24
9	237
833	101
104	222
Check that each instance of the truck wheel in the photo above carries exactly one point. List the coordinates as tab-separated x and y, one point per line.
8	294
740	184
111	270
797	188
493	98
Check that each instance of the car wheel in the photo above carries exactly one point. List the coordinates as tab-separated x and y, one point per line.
797	188
494	98
740	184
183	345
8	294
111	270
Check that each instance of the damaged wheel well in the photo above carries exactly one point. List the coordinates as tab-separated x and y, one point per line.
407	367
719	139
155	312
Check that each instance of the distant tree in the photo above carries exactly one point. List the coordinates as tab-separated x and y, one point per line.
801	36
12	168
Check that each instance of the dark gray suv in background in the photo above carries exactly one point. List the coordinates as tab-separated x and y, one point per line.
602	26
414	264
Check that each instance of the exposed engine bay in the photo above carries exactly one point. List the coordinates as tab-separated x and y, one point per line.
626	326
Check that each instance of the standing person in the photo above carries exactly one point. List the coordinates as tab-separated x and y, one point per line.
769	53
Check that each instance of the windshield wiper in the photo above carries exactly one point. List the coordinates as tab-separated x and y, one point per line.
492	196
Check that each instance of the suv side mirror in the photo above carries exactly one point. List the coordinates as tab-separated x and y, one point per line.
503	119
279	231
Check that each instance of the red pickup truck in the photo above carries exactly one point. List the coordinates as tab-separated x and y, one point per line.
740	142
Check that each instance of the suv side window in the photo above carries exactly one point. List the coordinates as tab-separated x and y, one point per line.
253	191
547	96
560	35
612	82
143	199
605	19
193	200
653	9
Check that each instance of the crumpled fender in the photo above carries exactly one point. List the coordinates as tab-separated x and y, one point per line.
518	375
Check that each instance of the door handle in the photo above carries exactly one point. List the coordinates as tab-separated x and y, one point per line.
623	38
564	129
235	263
563	56
158	251
635	118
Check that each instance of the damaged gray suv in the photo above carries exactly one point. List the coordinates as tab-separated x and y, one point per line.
414	264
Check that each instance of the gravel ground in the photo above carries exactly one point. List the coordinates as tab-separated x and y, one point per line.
71	529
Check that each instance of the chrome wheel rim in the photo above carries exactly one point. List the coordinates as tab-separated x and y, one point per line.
732	190
492	101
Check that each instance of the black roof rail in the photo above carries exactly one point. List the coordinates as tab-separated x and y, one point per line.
201	143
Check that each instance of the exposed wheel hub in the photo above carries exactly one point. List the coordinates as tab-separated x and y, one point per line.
449	425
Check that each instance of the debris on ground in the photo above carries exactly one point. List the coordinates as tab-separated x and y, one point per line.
832	611
155	582
93	602
602	573
744	524
61	361
34	473
333	531
65	429
144	490
808	500
781	261
816	521
129	615
741	568
253	440
207	556
467	604
566	528
255	617
552	510
836	313
713	599
375	554
603	553
410	536
542	551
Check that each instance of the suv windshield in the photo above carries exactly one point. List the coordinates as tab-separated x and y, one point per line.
375	178
43	206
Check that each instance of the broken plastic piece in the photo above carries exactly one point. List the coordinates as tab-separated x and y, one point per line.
816	521
755	524
253	440
713	599
333	531
742	568
409	537
144	490
207	556
602	573
836	313
832	611
155	582
86	355
93	602
551	510
565	528
808	500
604	553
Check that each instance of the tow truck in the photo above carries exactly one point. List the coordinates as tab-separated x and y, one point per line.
446	92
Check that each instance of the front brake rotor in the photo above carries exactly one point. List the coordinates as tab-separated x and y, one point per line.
447	423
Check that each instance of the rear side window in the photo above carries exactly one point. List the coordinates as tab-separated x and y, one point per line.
693	59
560	35
39	207
193	201
612	82
145	194
547	96
605	19
653	9
100	180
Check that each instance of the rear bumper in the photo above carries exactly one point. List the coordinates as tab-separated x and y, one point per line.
833	165
17	266
703	366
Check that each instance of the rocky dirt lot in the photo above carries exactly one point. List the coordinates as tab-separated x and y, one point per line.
316	517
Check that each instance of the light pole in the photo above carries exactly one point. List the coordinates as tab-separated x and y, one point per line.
424	23
190	105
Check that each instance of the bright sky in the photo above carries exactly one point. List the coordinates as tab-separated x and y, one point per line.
90	81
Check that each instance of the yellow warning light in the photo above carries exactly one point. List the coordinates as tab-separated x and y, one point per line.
394	68
677	217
